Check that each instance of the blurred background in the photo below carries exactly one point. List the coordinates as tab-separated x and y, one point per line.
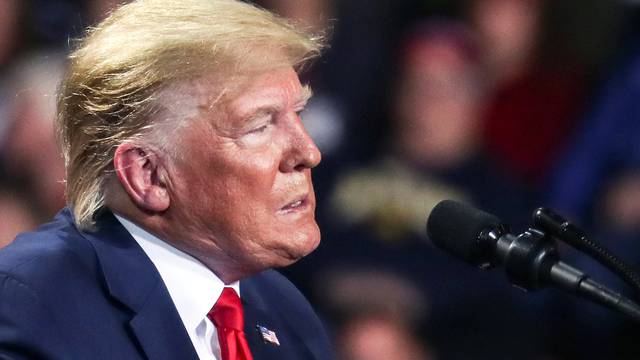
504	104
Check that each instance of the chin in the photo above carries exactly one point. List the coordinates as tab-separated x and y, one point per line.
304	245
312	240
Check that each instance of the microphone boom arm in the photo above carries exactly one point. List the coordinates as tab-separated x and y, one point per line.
531	262
530	259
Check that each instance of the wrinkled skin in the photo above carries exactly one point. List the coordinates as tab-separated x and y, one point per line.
240	186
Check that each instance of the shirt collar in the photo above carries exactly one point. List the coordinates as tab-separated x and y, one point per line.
193	288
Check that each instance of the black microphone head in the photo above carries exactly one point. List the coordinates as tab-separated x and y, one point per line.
458	229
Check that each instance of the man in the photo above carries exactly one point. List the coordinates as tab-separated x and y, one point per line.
188	177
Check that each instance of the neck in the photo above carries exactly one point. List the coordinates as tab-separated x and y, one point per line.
204	250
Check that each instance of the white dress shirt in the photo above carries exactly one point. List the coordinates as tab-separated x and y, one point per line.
193	288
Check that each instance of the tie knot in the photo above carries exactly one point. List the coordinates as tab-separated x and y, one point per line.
227	312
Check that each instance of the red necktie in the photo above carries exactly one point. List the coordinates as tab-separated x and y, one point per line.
227	316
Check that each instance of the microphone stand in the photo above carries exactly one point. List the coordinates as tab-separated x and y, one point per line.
531	262
565	231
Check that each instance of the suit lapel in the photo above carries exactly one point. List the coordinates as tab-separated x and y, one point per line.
132	279
159	329
258	313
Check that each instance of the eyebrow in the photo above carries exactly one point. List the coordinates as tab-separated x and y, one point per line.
305	94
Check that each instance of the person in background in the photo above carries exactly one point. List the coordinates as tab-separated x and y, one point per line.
10	11
385	324
29	155
10	41
29	151
16	211
597	186
433	153
533	98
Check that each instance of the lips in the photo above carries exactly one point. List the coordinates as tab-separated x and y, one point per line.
300	203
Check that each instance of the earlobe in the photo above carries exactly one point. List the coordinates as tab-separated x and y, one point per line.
138	172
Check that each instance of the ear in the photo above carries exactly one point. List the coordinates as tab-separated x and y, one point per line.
140	173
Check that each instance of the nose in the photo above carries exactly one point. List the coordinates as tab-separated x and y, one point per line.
302	153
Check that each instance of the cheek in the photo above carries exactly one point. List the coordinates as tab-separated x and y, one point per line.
232	191
245	186
253	175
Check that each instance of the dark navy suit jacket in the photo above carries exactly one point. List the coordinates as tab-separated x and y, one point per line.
66	294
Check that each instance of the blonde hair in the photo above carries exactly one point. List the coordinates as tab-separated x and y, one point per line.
119	69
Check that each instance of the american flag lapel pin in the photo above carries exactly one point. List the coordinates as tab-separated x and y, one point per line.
268	336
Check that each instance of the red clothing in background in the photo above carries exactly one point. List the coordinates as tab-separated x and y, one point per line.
528	119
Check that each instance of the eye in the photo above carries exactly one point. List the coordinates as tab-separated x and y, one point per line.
259	124
258	130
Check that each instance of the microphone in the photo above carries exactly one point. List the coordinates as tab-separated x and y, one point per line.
530	259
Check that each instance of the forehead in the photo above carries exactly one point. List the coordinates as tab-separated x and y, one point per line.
240	93
277	88
211	89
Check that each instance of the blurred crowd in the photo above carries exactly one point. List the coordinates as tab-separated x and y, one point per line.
504	104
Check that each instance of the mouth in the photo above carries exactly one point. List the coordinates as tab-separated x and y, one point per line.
299	204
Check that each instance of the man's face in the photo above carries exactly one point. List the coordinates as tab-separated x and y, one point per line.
240	186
